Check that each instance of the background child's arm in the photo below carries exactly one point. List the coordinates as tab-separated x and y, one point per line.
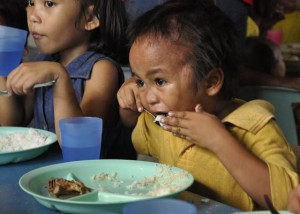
99	96
130	105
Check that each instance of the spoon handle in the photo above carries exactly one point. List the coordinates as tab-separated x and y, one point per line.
5	93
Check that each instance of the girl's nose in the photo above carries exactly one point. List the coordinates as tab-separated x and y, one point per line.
151	97
32	15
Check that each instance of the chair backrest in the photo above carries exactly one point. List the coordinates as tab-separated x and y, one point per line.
282	99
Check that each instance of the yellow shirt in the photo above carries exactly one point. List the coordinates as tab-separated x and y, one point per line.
254	126
290	27
252	28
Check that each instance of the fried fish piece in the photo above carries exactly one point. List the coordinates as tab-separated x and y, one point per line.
62	188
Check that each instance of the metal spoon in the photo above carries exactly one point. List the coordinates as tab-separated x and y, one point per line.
156	117
145	110
5	93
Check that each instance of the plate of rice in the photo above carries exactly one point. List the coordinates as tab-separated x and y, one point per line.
20	144
111	184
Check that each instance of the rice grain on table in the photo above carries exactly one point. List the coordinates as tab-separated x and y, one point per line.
23	140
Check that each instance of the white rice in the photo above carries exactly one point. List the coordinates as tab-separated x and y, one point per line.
165	181
23	140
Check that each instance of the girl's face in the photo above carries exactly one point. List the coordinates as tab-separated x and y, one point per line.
52	25
163	78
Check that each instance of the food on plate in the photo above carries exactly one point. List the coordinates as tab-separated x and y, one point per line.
165	181
17	141
62	188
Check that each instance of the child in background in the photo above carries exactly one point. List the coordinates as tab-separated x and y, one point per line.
183	60
82	43
289	26
237	11
262	63
264	16
261	56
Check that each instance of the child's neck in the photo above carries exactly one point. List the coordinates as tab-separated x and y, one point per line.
66	57
226	108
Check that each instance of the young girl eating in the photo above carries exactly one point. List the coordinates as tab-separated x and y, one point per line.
183	60
82	43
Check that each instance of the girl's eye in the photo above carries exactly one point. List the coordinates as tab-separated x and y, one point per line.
140	83
49	3
30	3
160	82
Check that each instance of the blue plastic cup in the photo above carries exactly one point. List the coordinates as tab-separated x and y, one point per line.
160	206
80	138
12	44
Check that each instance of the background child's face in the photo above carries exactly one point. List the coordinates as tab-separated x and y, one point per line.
164	80
52	25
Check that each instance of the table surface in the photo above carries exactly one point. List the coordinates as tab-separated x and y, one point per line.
14	200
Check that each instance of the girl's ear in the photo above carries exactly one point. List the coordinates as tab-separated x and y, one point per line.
92	21
214	81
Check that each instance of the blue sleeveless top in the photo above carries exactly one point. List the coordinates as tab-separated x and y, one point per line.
79	71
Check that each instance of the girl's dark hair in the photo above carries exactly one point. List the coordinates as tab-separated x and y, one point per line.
259	55
200	26
109	38
14	13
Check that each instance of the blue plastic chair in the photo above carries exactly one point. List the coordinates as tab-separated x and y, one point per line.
282	99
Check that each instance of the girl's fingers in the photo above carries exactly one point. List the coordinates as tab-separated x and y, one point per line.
185	137
128	98
19	81
184	114
178	114
176	130
174	121
198	108
139	105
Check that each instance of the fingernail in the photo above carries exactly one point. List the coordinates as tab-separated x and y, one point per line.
164	126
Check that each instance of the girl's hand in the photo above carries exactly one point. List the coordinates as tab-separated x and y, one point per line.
199	127
22	79
294	200
128	96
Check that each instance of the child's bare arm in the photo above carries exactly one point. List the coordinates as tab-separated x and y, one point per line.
294	200
99	98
